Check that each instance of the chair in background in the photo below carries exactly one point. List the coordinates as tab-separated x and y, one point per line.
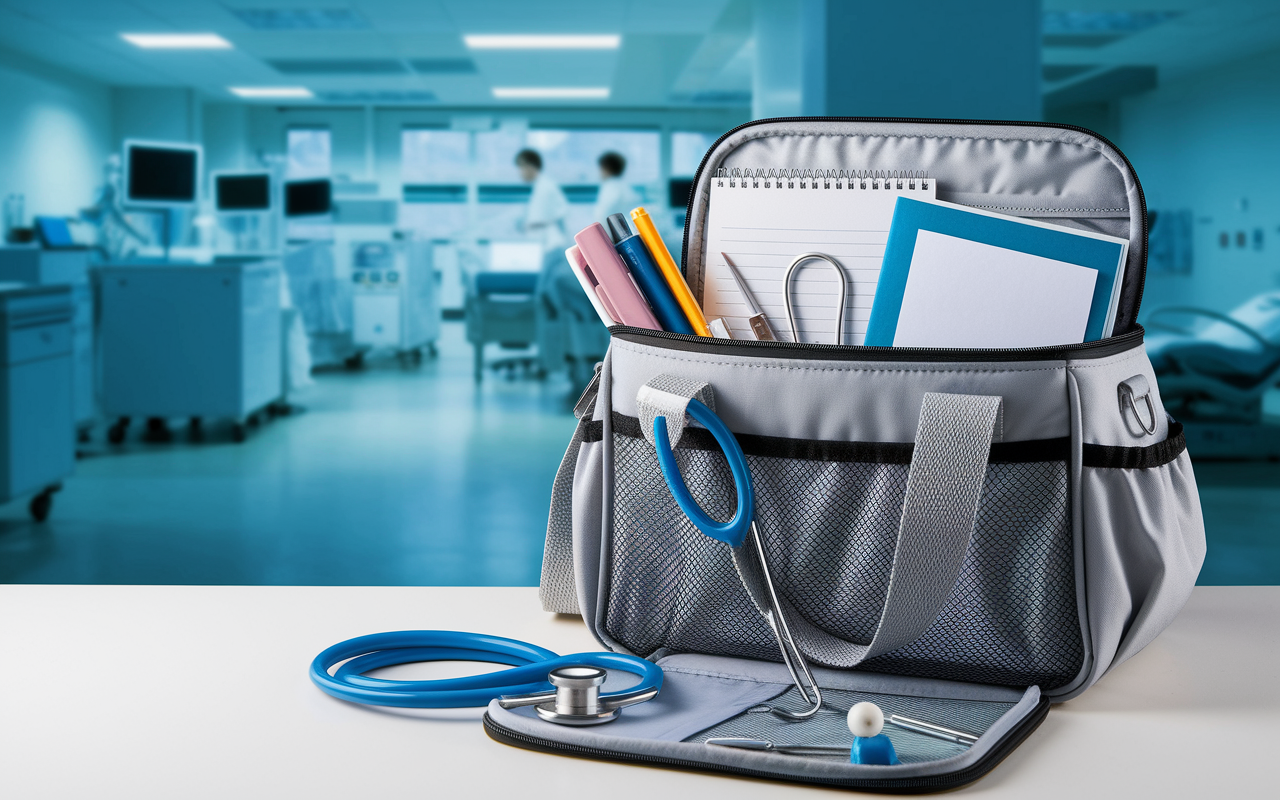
501	307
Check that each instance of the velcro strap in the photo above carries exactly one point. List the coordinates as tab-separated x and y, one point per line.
668	396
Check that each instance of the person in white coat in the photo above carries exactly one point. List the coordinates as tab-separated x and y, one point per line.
615	196
548	207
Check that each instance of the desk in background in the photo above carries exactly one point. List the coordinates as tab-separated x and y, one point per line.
202	692
32	265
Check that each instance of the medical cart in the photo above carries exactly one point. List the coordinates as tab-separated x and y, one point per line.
30	264
394	297
324	301
190	341
37	428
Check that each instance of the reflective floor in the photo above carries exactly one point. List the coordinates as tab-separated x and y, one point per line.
402	476
391	476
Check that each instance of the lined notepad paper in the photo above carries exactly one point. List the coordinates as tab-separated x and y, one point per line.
763	229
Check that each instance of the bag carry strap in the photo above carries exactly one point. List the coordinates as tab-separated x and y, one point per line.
948	467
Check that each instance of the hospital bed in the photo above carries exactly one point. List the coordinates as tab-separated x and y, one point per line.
1214	370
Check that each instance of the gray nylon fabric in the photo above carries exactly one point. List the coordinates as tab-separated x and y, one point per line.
945	481
830	728
849	401
939	508
708	691
948	466
556	586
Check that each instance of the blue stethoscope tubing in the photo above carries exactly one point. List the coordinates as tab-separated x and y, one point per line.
733	532
528	674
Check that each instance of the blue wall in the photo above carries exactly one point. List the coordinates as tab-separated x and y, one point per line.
1210	142
55	132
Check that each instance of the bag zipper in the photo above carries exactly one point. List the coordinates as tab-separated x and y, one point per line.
847	352
1142	198
931	783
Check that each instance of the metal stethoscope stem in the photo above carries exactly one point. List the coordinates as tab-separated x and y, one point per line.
734	533
791	654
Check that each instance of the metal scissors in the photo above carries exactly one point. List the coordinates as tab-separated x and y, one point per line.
734	533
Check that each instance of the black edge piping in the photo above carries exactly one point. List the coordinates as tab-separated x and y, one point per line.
1142	197
931	783
1032	450
690	343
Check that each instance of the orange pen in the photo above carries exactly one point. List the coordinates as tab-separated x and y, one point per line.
667	265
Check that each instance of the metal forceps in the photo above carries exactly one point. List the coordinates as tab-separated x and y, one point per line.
733	533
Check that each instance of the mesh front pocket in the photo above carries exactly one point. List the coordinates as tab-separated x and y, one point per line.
831	527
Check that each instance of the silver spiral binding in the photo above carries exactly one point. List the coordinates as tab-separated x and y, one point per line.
873	180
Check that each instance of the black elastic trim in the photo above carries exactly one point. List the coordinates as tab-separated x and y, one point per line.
823	450
1094	455
1156	455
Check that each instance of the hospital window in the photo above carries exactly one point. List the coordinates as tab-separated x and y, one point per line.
310	153
569	156
687	150
437	165
435	156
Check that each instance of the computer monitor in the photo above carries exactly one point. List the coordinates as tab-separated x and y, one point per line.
242	191
678	192
308	198
161	174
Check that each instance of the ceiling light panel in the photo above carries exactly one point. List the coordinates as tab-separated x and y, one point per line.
177	41
271	92
522	41
551	92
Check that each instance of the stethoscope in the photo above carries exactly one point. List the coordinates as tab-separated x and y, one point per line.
734	533
563	689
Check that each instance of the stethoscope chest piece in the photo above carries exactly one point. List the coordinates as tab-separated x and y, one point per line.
577	700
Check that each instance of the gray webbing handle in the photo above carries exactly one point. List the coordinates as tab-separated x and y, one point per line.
948	467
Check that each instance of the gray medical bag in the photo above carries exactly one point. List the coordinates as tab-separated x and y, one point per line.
1085	543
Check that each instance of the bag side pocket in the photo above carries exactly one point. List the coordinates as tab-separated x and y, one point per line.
1144	541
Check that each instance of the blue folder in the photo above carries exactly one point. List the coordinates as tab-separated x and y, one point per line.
912	216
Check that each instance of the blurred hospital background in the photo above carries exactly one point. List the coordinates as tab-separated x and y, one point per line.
284	299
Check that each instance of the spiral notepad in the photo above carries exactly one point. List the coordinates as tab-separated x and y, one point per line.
762	220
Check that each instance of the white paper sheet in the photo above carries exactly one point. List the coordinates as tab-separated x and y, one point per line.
961	293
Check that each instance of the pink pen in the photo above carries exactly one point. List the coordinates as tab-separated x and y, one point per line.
613	282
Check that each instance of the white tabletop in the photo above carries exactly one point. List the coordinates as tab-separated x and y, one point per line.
202	692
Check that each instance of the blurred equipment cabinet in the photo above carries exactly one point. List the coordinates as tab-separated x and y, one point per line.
394	298
190	341
71	267
37	430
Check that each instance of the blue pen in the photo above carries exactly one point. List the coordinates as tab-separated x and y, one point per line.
633	251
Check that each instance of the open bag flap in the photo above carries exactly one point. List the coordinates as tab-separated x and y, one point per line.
1055	173
702	692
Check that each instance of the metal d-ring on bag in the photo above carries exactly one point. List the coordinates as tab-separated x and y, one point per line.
948	461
